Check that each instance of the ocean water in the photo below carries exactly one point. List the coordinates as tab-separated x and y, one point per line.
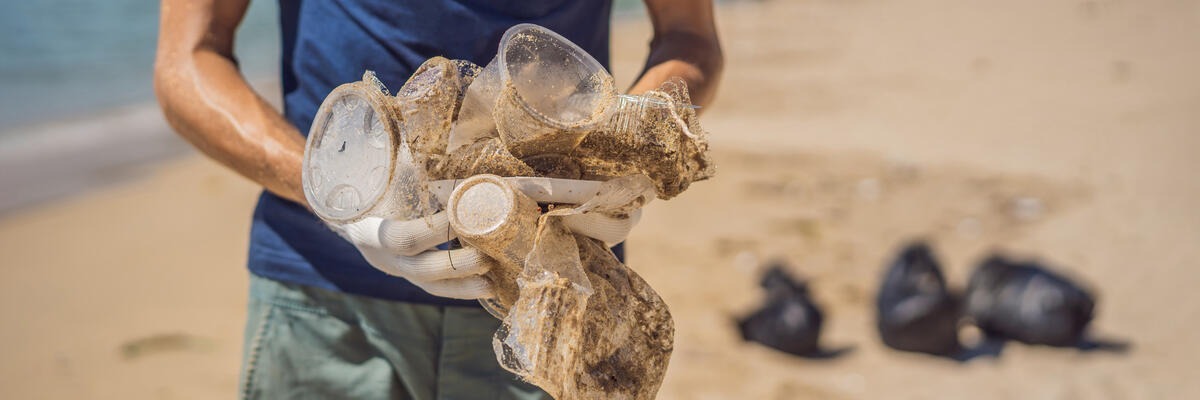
72	58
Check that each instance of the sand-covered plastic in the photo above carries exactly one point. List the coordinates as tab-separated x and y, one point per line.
555	108
540	94
586	326
657	135
542	120
358	161
500	221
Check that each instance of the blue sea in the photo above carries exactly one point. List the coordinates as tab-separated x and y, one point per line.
71	58
63	59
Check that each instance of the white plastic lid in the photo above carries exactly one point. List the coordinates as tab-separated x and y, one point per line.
481	205
349	154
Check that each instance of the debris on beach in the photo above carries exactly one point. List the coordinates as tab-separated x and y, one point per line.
1028	302
789	320
914	309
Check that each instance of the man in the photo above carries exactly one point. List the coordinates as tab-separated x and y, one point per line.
323	321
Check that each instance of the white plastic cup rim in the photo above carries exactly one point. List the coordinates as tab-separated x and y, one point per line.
376	100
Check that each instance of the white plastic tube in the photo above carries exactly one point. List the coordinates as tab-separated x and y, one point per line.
492	216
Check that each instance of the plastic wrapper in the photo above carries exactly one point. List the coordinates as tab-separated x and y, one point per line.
585	326
487	156
426	106
657	135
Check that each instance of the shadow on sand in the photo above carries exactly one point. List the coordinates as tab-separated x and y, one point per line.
992	347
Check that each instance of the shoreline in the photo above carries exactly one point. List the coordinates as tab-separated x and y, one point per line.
60	159
55	160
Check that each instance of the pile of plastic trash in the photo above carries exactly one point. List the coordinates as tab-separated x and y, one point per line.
576	321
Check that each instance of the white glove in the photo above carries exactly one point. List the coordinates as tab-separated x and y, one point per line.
607	229
407	249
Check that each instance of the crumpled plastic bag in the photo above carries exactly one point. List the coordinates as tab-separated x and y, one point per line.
585	325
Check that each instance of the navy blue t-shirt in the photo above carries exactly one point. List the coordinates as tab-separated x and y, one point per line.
330	42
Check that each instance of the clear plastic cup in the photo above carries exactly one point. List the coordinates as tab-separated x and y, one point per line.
541	94
555	92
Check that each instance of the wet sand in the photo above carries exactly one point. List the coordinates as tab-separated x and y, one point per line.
841	130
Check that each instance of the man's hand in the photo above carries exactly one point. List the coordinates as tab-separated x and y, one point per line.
407	249
685	45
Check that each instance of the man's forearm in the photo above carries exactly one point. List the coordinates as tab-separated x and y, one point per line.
685	46
696	60
209	103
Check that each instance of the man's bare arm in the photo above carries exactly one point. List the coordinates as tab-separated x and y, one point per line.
685	45
208	102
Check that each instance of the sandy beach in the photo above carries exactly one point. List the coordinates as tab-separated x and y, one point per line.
1061	131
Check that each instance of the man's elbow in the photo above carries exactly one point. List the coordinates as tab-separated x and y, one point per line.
166	71
169	88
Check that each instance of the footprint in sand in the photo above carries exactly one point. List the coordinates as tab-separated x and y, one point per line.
165	343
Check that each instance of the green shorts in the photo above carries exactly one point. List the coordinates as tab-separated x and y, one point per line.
304	342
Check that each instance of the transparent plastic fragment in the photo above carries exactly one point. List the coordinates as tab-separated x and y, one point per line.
628	334
487	156
586	326
538	339
475	121
656	134
427	103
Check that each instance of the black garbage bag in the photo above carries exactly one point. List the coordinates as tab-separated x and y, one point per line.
789	321
1028	303
915	310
